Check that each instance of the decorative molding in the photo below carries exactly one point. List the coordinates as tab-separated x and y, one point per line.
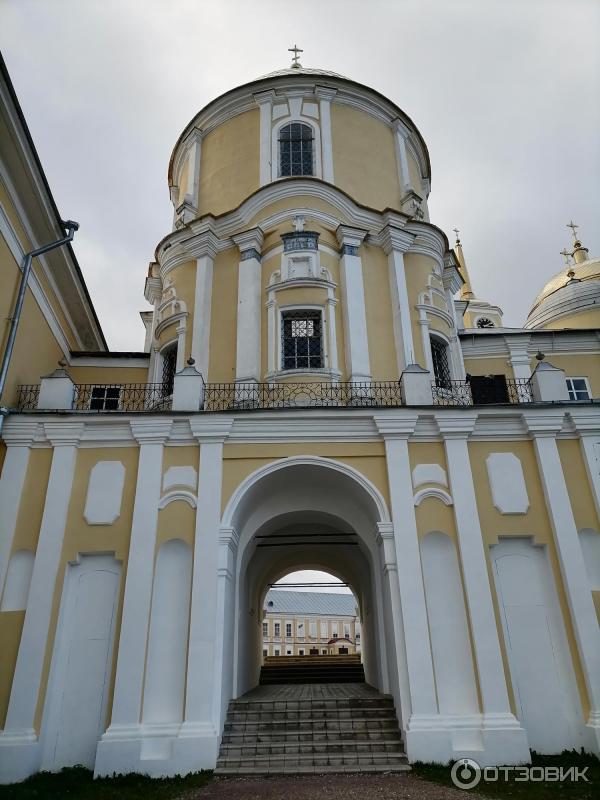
151	431
180	476
104	493
177	494
432	491
507	482
429	473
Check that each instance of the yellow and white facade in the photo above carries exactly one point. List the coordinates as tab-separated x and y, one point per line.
315	371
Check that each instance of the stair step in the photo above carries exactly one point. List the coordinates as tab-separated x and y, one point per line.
312	770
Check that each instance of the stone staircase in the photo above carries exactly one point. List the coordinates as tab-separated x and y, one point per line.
312	669
311	728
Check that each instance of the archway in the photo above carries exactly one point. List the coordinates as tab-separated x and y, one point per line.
314	513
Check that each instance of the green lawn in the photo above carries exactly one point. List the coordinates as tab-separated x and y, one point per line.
567	790
78	784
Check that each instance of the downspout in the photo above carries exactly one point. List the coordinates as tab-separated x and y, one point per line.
70	227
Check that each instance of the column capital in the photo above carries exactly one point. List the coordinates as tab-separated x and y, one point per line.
400	427
394	238
64	434
229	537
350	239
262	98
586	421
211	429
325	93
250	243
204	244
547	424
20	432
456	426
151	431
153	288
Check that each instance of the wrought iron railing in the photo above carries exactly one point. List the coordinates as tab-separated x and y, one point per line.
125	397
27	396
237	396
463	393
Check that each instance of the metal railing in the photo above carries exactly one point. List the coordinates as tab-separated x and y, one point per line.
237	396
27	396
124	397
460	393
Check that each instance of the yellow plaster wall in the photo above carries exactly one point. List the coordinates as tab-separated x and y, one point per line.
240	460
534	523
11	626
28	363
108	374
229	163
378	307
83	538
579	366
364	158
223	318
176	521
183	180
488	366
33	497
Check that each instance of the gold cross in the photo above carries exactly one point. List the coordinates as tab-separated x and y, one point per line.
565	255
456	231
574	229
295	60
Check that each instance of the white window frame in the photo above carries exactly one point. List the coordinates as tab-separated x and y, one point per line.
571	390
312	629
317	160
289	625
281	311
277	629
324	627
265	630
300	624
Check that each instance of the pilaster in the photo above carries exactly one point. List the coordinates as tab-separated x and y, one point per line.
353	303
570	557
587	425
265	104
325	95
203	305
247	366
20	718
395	243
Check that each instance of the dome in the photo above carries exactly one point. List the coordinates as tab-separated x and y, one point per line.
573	291
301	71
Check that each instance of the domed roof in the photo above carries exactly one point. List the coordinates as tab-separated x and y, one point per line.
301	71
585	271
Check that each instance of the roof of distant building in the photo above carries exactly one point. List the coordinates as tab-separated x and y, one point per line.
323	603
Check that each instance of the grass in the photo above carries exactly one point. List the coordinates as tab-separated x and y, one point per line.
528	790
77	783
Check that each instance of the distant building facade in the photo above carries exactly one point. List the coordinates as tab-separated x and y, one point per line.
310	623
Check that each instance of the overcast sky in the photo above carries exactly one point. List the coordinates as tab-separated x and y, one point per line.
505	93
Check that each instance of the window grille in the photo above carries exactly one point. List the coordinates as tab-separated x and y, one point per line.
277	631
296	150
439	357
105	398
485	322
169	362
265	629
302	341
578	389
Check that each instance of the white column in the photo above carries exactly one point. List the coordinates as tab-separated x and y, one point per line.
425	340
204	662
18	436
64	437
265	104
202	310
395	243
401	132
247	363
333	352
271	335
587	423
193	179
570	556
478	592
127	703
412	595
519	358
325	97
353	304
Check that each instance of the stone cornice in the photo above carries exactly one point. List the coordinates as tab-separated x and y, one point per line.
64	433
20	432
151	431
249	240
393	238
347	235
210	428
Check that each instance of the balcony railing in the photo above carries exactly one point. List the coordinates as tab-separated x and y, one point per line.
237	396
126	397
487	392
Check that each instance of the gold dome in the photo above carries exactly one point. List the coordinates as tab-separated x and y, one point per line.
585	271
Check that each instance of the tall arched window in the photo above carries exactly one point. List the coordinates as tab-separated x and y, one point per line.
441	364
296	149
169	362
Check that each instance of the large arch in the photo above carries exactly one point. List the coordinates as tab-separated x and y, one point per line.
314	513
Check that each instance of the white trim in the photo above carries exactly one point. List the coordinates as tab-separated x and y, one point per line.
315	461
177	494
432	491
202	314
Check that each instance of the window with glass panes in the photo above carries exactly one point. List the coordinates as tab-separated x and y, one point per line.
578	389
169	362
302	340
105	398
296	149
441	365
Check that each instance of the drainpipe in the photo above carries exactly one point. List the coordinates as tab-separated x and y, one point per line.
70	227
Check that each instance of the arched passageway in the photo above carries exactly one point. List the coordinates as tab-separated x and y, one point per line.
313	513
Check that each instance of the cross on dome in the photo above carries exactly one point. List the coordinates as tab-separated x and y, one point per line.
299	223
456	231
295	60
573	227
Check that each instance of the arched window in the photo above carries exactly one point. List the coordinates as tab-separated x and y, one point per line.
169	363
485	322
296	150
439	358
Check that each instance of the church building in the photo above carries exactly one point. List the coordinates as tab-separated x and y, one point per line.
320	388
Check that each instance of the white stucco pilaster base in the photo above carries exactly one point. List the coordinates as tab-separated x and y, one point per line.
489	739
20	755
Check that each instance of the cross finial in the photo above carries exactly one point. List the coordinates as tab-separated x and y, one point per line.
573	227
295	60
298	223
456	231
565	254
